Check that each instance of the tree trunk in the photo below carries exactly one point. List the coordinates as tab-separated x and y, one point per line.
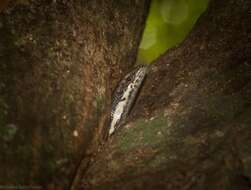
190	128
60	61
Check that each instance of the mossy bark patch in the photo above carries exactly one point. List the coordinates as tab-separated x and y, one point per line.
143	133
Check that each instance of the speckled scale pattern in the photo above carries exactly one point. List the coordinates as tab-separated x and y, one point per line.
121	88
124	96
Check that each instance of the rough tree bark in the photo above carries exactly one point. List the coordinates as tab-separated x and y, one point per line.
189	129
60	61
